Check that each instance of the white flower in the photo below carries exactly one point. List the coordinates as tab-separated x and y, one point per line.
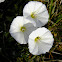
40	41
20	29
36	12
2	1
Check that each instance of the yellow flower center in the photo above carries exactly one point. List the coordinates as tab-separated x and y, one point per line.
37	39
23	29
33	15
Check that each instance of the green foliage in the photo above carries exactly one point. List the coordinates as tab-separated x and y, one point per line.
10	50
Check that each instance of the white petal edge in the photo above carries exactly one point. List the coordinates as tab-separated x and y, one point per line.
19	37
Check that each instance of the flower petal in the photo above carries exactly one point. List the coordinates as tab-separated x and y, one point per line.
33	48
43	47
29	29
30	20
43	18
17	21
41	31
29	7
43	14
48	38
19	37
33	35
15	25
37	6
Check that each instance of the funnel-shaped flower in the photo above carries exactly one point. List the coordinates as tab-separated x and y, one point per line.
36	12
20	29
40	41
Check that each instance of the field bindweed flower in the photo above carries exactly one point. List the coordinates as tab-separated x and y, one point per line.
36	12
2	1
20	29
40	41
